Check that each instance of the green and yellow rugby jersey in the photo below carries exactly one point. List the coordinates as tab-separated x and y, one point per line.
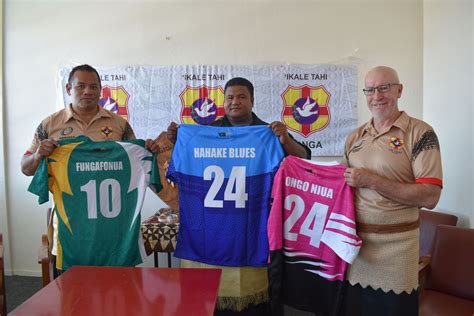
98	190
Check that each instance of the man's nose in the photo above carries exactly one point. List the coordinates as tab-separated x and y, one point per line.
89	90
377	94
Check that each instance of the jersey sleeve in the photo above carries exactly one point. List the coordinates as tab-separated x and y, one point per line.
426	159
144	160
340	232
177	156
39	183
273	147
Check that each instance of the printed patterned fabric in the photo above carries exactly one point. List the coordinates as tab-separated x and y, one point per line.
159	233
318	102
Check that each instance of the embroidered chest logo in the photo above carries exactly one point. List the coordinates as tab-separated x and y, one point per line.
66	131
107	131
396	143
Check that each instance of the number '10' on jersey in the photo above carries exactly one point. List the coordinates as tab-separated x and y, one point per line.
98	190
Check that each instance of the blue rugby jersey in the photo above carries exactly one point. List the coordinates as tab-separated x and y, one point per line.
224	176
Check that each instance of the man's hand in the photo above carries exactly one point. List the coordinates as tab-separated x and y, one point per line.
172	132
359	178
280	130
152	145
46	148
30	162
290	146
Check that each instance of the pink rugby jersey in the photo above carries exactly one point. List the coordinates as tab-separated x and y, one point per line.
312	235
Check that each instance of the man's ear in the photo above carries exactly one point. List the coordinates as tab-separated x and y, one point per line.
68	88
400	89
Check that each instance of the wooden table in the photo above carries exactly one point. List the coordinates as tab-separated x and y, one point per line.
86	290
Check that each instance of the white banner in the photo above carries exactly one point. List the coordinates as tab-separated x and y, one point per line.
318	103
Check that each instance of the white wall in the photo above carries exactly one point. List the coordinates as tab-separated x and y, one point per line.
3	197
448	99
41	36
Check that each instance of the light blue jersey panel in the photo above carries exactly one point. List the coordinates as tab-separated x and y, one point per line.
225	176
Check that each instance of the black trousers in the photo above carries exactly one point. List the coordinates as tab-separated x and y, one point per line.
56	271
367	302
251	310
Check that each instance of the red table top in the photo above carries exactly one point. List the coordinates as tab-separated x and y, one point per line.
84	290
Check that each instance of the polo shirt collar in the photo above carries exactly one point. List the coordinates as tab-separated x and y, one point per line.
103	112
255	120
401	122
70	113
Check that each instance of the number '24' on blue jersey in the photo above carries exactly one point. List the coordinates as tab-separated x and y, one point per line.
224	176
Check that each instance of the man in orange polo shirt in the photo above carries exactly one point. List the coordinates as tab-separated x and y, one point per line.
395	165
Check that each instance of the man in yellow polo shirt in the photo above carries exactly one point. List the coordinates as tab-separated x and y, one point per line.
395	165
83	116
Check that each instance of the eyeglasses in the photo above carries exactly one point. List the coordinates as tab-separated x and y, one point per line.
381	89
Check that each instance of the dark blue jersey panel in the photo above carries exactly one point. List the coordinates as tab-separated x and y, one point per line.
224	175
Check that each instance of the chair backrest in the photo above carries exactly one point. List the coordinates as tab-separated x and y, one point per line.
429	220
3	299
44	252
451	268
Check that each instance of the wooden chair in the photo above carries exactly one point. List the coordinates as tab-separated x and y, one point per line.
3	298
44	253
449	277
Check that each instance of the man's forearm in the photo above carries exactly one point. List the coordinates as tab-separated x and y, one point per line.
29	163
292	147
413	194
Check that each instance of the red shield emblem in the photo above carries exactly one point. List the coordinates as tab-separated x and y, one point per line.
201	105
306	109
115	99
